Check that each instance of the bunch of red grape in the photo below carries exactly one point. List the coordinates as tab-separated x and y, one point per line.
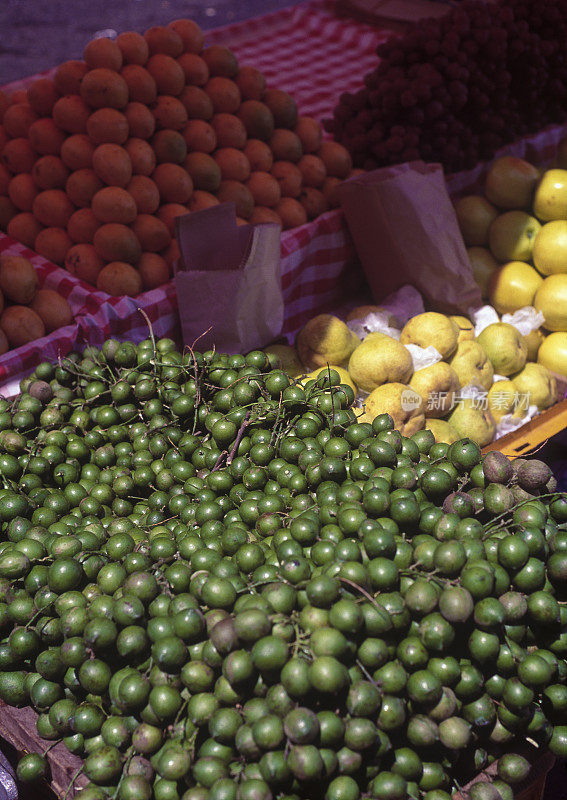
457	88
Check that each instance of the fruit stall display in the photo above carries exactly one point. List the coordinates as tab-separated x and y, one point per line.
504	192
217	583
98	160
519	261
320	248
381	372
95	317
220	578
516	237
319	268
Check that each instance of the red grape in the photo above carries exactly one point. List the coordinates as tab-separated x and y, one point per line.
456	88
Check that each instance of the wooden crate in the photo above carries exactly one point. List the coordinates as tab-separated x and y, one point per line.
534	433
531	789
18	728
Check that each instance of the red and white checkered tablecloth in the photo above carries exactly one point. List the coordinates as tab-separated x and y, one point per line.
315	55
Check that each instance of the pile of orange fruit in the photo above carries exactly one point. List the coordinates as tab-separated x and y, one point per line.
96	162
27	312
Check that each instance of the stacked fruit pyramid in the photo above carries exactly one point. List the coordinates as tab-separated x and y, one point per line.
516	233
96	163
217	583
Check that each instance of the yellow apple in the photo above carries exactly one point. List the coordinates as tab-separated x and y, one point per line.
505	346
510	182
471	418
475	215
550	248
553	353
513	286
511	236
551	300
465	326
325	339
431	329
437	386
550	199
534	341
503	399
537	385
442	430
403	404
484	265
380	359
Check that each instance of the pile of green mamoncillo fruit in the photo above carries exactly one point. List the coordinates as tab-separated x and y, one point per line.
215	584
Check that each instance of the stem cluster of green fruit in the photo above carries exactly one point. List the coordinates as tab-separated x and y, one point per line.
216	584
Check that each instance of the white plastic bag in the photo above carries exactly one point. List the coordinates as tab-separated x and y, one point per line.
525	319
483	317
423	356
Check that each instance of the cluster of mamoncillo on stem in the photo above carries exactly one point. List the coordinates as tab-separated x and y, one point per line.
217	584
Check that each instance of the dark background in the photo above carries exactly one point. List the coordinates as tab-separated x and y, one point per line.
38	34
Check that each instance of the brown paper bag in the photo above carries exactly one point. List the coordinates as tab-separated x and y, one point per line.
228	281
405	231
